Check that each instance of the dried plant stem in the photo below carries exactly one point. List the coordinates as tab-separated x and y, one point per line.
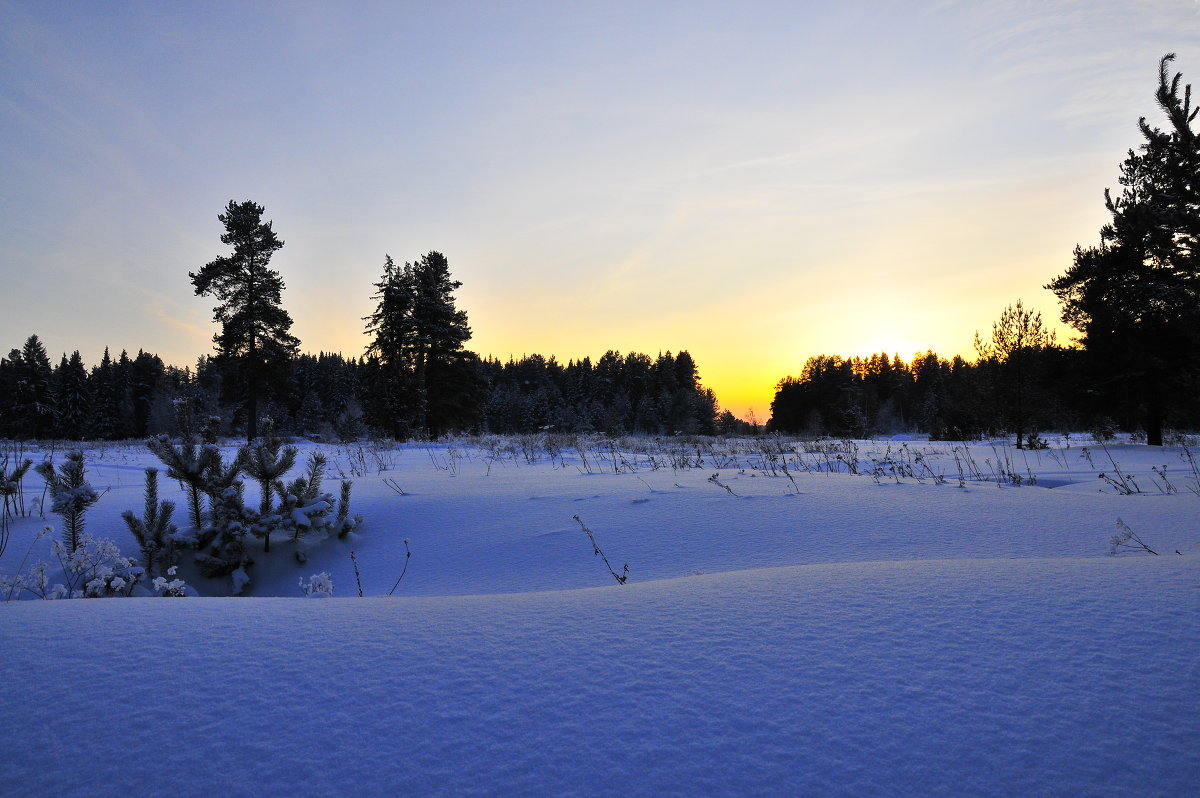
620	577
403	571
357	578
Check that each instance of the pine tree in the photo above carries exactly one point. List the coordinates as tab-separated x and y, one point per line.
70	493
154	529
1136	296
254	338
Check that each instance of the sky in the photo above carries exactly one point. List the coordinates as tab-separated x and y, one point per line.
754	182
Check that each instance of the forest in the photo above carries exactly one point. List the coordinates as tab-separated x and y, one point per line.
328	396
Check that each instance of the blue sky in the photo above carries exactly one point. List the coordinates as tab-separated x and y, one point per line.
755	182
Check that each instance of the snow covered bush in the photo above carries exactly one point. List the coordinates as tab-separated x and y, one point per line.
71	495
174	588
305	509
266	463
318	586
93	569
221	546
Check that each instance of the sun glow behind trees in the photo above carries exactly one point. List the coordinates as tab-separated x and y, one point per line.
754	183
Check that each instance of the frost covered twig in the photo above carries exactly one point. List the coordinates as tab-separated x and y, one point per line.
713	479
1124	483
620	577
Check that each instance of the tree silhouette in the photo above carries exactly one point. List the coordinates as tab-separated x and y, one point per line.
254	338
1017	342
1136	297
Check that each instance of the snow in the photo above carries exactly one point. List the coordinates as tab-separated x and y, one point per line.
831	636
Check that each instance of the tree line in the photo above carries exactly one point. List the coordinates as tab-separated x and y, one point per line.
342	398
1134	298
416	378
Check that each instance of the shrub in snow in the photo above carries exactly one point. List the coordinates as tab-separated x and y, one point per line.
318	586
305	509
71	495
154	529
266	463
174	588
93	569
187	463
211	430
221	546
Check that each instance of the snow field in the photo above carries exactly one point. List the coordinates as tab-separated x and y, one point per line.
853	638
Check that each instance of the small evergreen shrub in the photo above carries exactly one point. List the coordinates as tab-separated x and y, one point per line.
71	495
154	531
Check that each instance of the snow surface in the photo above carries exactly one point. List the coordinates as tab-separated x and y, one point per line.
836	636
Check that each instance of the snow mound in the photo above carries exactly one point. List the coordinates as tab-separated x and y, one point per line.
965	677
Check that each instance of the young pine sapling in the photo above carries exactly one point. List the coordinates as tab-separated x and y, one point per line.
71	495
154	529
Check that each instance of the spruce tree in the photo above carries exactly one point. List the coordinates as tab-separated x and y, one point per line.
73	397
104	399
34	398
392	401
425	381
254	339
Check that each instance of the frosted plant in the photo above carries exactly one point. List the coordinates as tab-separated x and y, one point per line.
187	463
94	569
175	588
624	575
407	557
12	490
71	495
318	585
266	463
1126	540
154	529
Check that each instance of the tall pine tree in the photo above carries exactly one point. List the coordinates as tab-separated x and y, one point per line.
254	341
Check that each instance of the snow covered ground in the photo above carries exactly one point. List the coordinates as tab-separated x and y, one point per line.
895	631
